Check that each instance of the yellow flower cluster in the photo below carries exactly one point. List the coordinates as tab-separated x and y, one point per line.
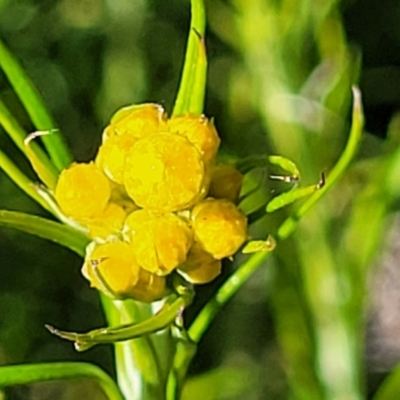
154	202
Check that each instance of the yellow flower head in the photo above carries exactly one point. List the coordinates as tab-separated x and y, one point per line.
112	268
160	242
82	191
219	227
199	131
226	183
137	120
200	267
164	172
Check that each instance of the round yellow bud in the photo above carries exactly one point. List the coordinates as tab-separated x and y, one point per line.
164	172
82	191
199	131
226	183
112	154
219	227
160	242
200	267
138	121
112	269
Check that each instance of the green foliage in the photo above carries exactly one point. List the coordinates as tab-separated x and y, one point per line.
279	82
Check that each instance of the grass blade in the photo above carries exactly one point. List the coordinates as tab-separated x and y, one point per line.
32	151
54	231
191	91
35	107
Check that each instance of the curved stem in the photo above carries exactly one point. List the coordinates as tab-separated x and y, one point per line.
243	273
35	107
22	181
46	229
26	374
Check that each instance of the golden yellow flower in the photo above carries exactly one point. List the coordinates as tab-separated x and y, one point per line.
82	191
226	183
160	242
219	227
164	172
199	131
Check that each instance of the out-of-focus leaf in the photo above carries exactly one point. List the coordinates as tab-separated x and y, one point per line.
390	388
219	384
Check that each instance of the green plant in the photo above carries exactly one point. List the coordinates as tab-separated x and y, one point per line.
312	279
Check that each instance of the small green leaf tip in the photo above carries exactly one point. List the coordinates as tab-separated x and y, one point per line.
254	246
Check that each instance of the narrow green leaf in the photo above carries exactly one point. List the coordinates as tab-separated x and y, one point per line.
21	180
254	246
191	91
18	135
286	165
35	107
293	195
54	231
161	320
33	373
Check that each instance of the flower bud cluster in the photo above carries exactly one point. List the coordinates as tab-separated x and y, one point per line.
154	202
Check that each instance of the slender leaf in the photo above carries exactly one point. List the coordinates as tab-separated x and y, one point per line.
161	320
22	181
18	135
54	231
191	91
33	373
35	107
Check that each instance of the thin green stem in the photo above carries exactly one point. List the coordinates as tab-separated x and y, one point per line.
240	276
35	107
243	273
22	181
27	374
18	135
136	362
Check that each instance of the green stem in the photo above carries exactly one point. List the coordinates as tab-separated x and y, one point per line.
22	181
137	368
27	374
46	229
191	91
18	135
243	273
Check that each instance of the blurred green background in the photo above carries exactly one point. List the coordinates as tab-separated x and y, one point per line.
90	57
